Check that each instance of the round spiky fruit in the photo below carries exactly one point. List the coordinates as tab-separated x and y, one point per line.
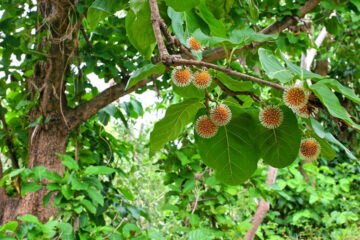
309	149
194	44
302	112
181	77
205	127
202	79
221	115
271	116
295	97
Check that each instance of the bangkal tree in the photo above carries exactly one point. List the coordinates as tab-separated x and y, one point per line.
241	112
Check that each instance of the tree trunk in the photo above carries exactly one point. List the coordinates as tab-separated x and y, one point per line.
42	151
47	88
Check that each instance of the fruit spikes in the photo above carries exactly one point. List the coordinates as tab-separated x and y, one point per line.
309	149
221	115
205	127
295	97
194	44
202	79
181	77
271	117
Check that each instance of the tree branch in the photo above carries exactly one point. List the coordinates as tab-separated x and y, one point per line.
88	109
219	53
155	21
263	206
184	62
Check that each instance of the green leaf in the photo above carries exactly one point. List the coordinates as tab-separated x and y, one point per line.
201	233
30	219
89	206
231	152
300	72
182	5
127	194
189	91
47	199
68	162
29	187
320	131
219	7
235	85
77	185
145	72
100	9
98	170
194	22
273	67
238	38
329	99
326	150
10	226
332	25
95	196
177	22
189	186
217	28
171	126
65	228
53	176
139	29
279	147
347	92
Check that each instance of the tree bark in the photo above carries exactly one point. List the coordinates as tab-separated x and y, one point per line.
49	137
41	153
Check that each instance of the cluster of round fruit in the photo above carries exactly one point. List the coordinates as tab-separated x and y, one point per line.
271	116
182	77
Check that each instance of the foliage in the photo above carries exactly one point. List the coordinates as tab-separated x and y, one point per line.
163	181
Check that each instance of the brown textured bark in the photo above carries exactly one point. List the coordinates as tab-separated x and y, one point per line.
41	153
47	139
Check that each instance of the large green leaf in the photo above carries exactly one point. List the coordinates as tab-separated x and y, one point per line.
29	187
98	170
189	91
182	5
320	131
217	28
302	73
273	67
144	72
177	22
194	21
219	7
329	99
347	92
326	150
176	118
139	29
238	38
280	147
231	152
100	9
234	85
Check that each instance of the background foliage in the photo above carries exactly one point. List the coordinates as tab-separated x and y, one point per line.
115	188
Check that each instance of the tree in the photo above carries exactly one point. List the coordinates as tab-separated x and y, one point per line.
47	96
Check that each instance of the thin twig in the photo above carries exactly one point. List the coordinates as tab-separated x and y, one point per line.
117	227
